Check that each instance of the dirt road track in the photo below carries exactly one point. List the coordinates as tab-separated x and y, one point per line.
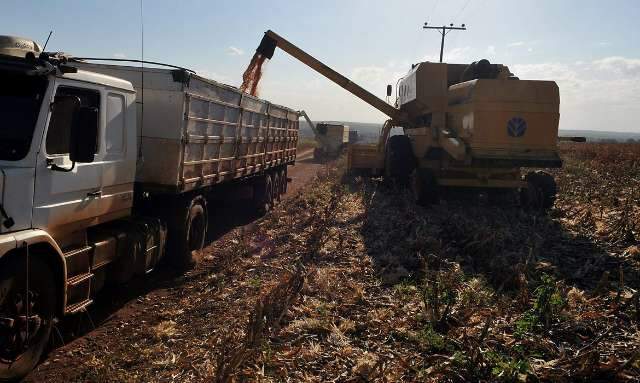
304	171
119	305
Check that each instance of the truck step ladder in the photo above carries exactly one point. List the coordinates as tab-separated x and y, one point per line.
79	278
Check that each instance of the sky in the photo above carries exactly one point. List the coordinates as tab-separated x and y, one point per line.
590	48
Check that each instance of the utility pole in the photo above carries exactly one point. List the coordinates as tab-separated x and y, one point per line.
444	30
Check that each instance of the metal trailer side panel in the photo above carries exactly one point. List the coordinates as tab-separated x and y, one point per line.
230	135
197	132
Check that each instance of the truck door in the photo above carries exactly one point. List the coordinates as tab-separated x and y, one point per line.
119	150
66	201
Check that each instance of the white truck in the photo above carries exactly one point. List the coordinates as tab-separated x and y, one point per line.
102	167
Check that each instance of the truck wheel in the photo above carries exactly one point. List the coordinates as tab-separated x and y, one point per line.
26	317
276	186
399	159
188	233
425	187
263	194
541	191
283	180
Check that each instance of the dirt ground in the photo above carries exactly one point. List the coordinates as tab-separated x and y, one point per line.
353	282
125	304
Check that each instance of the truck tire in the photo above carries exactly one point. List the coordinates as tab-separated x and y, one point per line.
188	231
263	194
20	353
283	180
276	186
399	159
541	191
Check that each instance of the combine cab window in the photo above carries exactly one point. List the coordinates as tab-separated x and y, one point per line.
58	135
20	100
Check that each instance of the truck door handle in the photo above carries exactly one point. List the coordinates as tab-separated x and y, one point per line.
96	193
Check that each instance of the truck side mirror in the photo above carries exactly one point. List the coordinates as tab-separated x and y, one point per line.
84	135
389	90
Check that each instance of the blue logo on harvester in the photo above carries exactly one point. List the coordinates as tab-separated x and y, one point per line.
516	127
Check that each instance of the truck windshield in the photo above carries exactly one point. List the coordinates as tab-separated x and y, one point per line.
20	100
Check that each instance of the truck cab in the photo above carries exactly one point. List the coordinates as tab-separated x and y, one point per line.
68	148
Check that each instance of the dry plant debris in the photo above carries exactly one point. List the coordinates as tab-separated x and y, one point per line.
354	282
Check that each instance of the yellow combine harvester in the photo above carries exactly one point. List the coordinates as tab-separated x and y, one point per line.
470	126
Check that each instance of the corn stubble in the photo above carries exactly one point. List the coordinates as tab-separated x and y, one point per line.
356	283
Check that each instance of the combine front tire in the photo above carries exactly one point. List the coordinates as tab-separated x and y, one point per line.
424	186
399	159
541	190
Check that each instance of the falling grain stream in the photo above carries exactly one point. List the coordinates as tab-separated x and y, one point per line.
252	75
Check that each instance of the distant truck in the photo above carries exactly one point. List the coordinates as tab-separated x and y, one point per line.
331	139
100	175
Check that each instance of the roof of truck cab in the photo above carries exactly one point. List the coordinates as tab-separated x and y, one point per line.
100	79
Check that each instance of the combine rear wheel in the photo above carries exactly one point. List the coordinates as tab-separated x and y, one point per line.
399	159
541	190
424	186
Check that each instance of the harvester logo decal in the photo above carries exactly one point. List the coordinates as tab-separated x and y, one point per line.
516	127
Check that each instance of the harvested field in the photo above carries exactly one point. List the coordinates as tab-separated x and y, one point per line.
354	282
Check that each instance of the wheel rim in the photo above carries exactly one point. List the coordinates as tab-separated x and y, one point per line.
196	232
21	321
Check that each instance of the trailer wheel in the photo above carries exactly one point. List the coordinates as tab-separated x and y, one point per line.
283	180
263	194
541	191
26	316
425	187
399	159
188	233
276	186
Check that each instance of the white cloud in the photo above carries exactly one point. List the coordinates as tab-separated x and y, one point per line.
233	51
119	55
215	76
455	55
516	44
602	94
619	65
491	50
369	74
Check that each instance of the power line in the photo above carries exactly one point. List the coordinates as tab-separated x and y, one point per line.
433	9
461	10
444	30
